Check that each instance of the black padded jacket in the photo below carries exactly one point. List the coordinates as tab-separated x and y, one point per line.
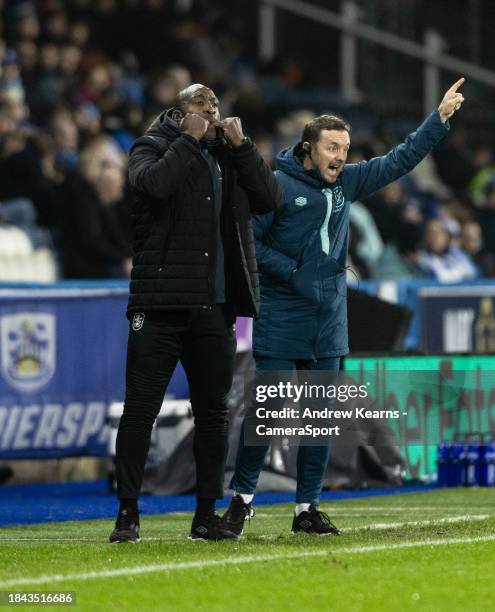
174	225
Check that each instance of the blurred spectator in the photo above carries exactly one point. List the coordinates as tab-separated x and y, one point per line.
290	128
441	260
486	216
357	267
427	180
266	148
471	242
485	172
65	83
454	160
162	92
365	246
29	173
401	260
93	242
389	207
49	87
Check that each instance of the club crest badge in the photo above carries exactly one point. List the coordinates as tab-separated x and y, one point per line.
338	199
301	201
137	321
28	349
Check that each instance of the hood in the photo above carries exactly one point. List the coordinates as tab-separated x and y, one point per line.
164	126
289	163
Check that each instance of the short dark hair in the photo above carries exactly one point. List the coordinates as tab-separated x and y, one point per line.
312	130
186	94
181	101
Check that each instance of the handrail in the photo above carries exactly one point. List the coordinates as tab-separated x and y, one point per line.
385	39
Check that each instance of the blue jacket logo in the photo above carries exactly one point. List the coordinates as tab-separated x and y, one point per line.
338	199
301	201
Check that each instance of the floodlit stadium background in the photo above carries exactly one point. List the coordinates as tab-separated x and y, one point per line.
79	80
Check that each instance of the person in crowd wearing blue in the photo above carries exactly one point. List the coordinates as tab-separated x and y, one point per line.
301	250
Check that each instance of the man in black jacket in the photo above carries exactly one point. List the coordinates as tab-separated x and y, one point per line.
196	180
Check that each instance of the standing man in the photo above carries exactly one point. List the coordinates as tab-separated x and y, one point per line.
301	250
196	180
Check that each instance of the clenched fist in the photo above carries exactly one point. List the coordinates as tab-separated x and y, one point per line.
194	125
232	131
451	102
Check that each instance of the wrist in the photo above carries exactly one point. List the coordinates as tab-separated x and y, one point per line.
238	142
443	116
196	137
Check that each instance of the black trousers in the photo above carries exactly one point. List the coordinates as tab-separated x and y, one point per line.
204	341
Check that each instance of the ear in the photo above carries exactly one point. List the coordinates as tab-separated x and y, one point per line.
306	146
177	115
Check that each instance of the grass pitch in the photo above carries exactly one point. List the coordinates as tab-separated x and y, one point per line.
429	551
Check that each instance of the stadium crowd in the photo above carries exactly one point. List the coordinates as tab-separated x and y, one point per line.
78	84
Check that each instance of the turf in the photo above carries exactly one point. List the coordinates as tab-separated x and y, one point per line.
429	551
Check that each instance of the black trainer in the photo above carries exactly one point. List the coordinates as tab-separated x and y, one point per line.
237	512
210	528
126	527
314	521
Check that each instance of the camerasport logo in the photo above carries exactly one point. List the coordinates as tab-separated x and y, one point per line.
28	346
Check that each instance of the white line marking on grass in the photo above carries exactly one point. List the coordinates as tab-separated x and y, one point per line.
176	538
362	511
339	508
425	523
48	539
171	567
383	526
171	538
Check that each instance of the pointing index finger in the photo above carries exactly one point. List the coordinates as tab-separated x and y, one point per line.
456	85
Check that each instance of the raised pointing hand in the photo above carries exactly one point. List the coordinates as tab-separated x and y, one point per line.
452	101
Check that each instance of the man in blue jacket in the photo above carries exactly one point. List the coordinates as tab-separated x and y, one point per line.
301	250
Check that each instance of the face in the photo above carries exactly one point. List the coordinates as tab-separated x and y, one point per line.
436	237
203	102
329	154
471	241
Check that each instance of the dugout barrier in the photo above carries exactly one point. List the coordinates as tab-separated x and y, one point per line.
62	357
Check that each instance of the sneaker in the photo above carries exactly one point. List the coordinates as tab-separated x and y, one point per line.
210	528
314	521
237	512
126	527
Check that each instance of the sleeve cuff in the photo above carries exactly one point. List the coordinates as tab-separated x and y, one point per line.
190	140
246	146
446	125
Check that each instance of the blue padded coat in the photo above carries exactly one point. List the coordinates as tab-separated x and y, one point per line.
304	314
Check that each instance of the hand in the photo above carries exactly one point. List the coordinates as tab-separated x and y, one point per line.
127	265
194	125
451	102
232	131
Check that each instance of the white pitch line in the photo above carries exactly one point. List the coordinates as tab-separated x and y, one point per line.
340	515
425	523
178	538
171	538
384	526
170	567
340	508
